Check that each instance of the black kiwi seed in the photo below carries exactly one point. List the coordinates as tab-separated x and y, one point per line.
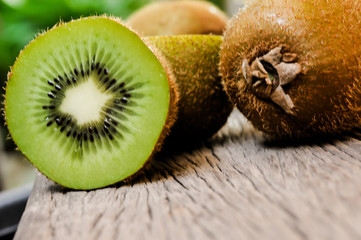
106	123
115	123
106	129
57	120
92	66
121	85
76	71
96	131
112	82
50	83
57	87
106	71
49	123
115	89
51	95
49	107
124	100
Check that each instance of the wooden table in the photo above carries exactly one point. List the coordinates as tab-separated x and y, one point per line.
235	186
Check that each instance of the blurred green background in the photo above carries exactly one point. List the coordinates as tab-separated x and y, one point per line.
20	22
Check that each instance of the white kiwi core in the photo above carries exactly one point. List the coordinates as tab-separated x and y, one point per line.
85	102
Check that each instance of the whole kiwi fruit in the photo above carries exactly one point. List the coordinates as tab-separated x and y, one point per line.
203	106
292	66
178	17
89	103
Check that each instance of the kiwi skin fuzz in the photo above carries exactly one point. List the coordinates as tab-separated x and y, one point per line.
178	17
203	104
172	109
324	35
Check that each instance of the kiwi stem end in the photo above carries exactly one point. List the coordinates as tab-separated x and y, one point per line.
267	74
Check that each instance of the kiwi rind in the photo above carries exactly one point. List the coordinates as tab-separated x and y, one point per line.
169	120
203	103
178	17
326	94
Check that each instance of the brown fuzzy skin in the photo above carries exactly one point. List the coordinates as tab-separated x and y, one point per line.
179	17
203	105
325	35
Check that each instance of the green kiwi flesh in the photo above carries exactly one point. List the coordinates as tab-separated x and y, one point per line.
203	106
318	45
87	102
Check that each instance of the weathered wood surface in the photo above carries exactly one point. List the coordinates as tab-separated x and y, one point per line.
236	186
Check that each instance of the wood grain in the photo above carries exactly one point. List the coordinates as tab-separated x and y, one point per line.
236	186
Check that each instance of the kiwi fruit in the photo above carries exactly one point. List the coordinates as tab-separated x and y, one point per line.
203	105
292	66
89	103
178	17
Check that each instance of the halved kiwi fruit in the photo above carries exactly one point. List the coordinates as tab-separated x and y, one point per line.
203	103
178	17
292	67
89	103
